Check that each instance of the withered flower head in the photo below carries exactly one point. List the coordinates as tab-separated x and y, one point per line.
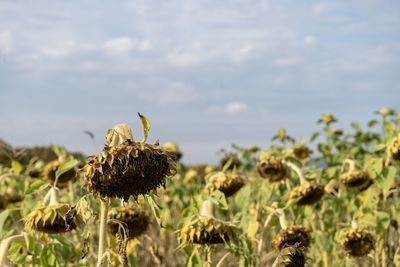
10	196
308	193
136	221
358	242
228	184
235	161
50	173
301	151
272	168
291	256
126	168
174	149
292	235
57	218
207	230
356	179
393	150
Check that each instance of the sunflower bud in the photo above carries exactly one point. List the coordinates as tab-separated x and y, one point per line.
358	242
327	119
57	218
291	236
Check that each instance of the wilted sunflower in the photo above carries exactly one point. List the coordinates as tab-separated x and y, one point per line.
272	168
235	161
301	151
56	218
174	149
126	168
356	179
291	256
50	173
9	198
207	230
393	150
307	193
136	221
358	242
292	235
228	184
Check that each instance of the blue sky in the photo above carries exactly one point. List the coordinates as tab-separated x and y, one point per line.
205	73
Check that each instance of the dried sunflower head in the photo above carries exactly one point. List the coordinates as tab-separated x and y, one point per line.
57	218
292	235
291	256
9	197
301	151
356	179
50	173
128	169
308	193
207	230
228	184
135	221
393	150
358	242
272	168
174	149
235	161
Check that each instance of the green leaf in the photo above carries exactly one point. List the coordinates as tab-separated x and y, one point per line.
36	186
146	127
3	217
59	151
219	199
155	208
314	136
252	229
388	181
17	167
379	147
227	164
65	167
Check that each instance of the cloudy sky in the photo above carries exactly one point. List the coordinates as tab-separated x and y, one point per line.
206	73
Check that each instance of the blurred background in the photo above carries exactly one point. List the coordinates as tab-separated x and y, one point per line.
205	73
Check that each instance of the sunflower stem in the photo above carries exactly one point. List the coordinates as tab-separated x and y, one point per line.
207	209
299	173
351	163
282	218
4	247
105	204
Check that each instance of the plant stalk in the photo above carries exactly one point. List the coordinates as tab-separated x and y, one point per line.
105	204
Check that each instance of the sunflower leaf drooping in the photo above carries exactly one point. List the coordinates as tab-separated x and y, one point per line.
127	168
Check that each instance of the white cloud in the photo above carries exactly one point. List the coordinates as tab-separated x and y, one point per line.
323	8
126	45
235	107
310	40
183	59
6	42
177	93
231	108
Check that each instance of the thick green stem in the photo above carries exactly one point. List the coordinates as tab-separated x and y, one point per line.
105	204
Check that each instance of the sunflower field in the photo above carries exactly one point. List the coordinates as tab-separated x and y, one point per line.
330	200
